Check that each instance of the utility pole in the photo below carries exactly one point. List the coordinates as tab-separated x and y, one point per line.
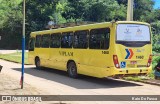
130	10
23	46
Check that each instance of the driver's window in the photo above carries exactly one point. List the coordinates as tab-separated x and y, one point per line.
31	44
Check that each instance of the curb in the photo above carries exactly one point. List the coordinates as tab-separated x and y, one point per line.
13	61
152	83
149	81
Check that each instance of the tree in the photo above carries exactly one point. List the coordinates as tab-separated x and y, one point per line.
75	9
141	11
40	12
10	23
94	10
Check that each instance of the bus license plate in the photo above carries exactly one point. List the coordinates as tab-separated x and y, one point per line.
131	65
133	62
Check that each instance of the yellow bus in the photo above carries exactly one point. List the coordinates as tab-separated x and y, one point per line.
107	49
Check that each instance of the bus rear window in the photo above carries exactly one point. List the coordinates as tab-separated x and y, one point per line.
133	32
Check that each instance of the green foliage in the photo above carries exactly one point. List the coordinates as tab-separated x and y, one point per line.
74	9
40	12
10	23
156	43
156	59
105	9
143	9
86	10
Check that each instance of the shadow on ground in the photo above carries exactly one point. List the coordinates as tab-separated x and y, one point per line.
83	82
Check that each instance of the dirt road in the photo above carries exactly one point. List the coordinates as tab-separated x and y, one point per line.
54	82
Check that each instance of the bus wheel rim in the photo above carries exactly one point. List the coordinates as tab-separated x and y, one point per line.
73	70
38	63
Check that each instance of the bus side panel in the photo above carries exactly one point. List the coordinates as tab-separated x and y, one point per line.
95	62
57	59
64	55
31	57
98	59
92	62
53	57
41	53
45	52
81	59
31	53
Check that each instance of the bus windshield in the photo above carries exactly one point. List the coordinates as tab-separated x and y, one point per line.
133	33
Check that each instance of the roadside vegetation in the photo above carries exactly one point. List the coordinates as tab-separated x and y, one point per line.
140	78
15	57
40	12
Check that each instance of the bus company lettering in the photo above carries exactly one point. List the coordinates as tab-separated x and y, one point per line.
63	53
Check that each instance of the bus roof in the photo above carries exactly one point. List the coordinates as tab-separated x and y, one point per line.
83	27
133	22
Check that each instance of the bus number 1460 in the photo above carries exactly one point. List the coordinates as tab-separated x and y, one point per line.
105	52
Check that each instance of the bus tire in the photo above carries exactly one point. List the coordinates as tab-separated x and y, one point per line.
38	63
72	70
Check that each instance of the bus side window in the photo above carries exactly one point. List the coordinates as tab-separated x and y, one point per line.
38	41
99	38
67	40
55	40
81	39
31	44
45	41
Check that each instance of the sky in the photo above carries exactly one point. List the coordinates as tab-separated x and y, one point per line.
157	4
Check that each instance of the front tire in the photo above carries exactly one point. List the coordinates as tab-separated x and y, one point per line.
72	70
38	63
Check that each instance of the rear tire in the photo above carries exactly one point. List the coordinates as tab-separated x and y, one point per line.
72	70
38	63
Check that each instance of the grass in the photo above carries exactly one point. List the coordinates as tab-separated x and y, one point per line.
136	78
15	57
141	78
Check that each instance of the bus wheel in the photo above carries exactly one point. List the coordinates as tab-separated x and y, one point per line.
38	63
72	70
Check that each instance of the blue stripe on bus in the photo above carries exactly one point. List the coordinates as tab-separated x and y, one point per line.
128	53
